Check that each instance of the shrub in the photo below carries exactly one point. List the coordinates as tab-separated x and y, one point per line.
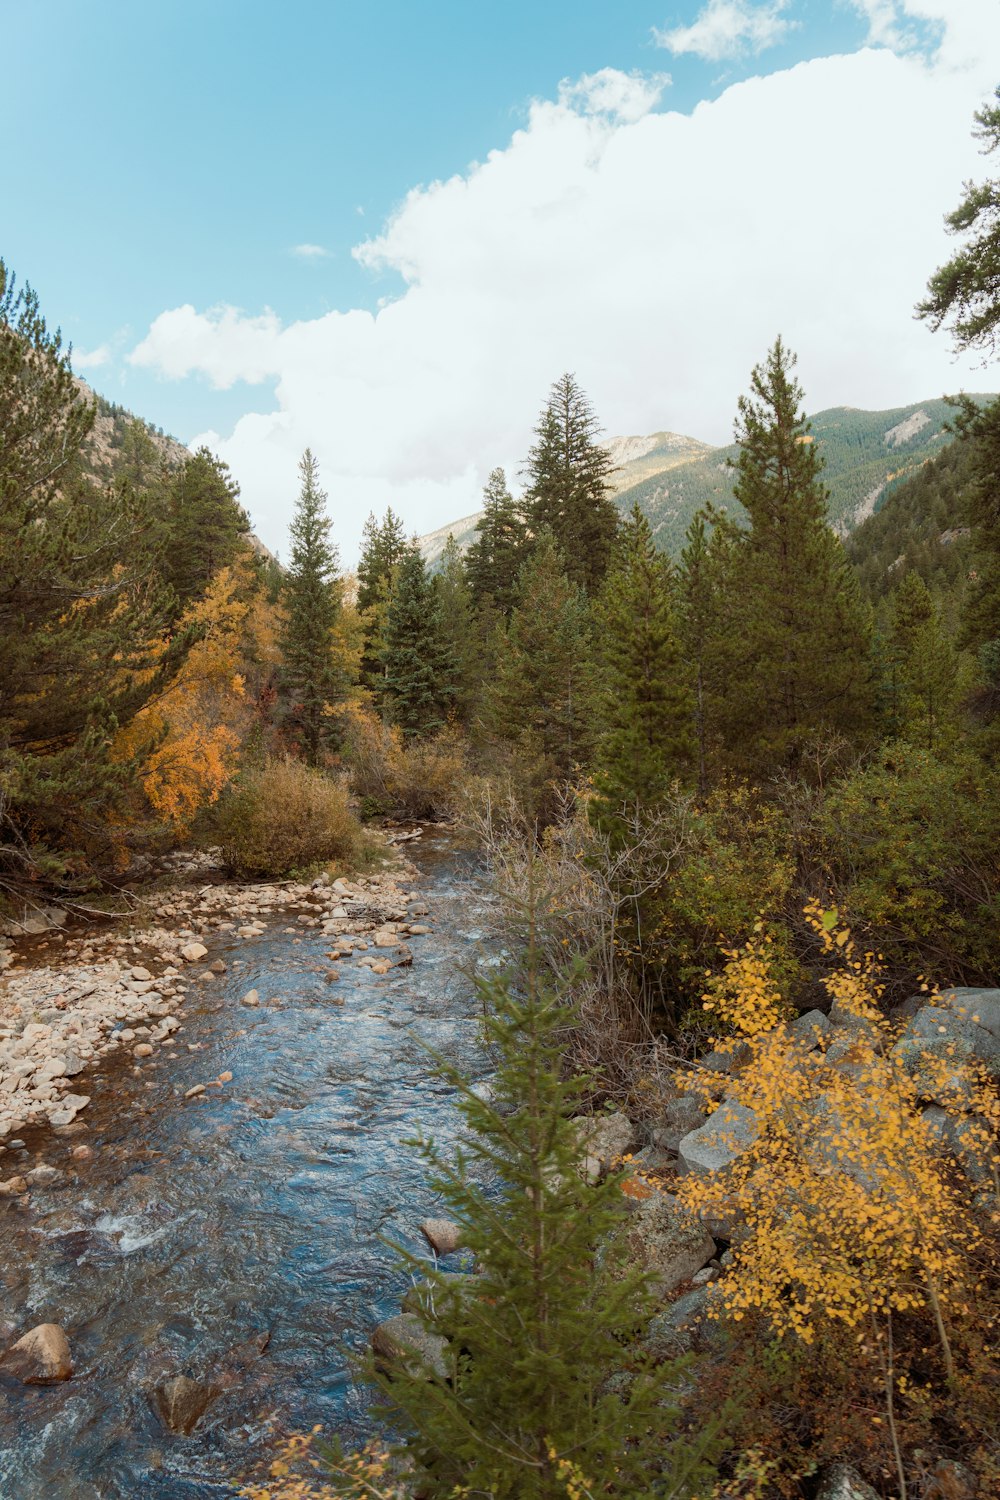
283	816
422	779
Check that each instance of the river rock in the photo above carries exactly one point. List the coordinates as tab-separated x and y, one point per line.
404	1340
192	1093
842	1482
41	1357
13	1186
218	966
181	1402
142	1049
442	1235
191	952
251	998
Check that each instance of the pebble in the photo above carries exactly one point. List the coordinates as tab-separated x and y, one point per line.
192	1093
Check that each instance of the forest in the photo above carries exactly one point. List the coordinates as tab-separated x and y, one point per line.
740	813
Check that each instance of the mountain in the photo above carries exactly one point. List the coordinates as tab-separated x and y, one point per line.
670	476
108	439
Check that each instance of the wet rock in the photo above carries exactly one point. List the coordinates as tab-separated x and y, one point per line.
82	1153
251	998
418	929
443	1236
41	1357
191	952
143	1049
218	966
43	1175
192	1093
842	1482
181	1402
405	1341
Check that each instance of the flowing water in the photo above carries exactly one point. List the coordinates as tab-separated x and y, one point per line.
201	1228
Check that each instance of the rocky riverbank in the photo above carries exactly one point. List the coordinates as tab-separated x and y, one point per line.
70	1001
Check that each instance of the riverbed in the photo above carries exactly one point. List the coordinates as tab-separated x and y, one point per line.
236	1236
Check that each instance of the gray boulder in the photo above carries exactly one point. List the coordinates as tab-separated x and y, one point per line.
667	1242
810	1028
679	1117
980	1006
842	1482
678	1328
724	1136
603	1139
936	1022
405	1341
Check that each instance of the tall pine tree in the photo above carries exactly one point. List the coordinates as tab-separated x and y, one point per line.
922	680
312	600
568	493
647	703
383	547
418	668
802	665
493	562
706	599
206	524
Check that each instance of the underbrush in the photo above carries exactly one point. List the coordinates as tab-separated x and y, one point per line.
283	816
421	779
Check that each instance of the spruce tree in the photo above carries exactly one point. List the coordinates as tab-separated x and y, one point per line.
706	597
383	547
980	627
542	698
923	675
802	666
311	597
206	524
568	493
460	641
646	700
524	1407
493	562
418	671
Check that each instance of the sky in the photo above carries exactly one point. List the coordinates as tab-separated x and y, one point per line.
382	230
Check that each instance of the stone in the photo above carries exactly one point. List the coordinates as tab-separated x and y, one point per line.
192	952
142	1049
676	1329
251	998
218	966
192	1093
181	1402
950	1480
82	1153
936	1066
843	1482
606	1138
811	1028
385	940
724	1136
677	1119
952	1025
41	1357
43	1173
980	1006
418	929
405	1341
226	1077
443	1236
665	1241
13	1186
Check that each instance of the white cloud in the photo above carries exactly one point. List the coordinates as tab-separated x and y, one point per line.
311	252
728	28
624	97
656	254
91	359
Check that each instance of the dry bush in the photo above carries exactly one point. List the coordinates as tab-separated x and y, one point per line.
424	779
284	817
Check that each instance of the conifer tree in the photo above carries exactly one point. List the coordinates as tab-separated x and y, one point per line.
206	524
802	633
542	697
493	562
460	641
521	1409
568	490
418	669
704	591
646	699
980	629
312	601
383	547
923	673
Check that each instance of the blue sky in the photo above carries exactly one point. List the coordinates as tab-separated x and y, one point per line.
172	155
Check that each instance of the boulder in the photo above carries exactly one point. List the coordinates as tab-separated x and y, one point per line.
404	1340
251	998
667	1242
442	1235
842	1482
980	1006
192	952
724	1136
677	1329
181	1402
810	1028
935	1022
678	1118
606	1138
937	1067
41	1357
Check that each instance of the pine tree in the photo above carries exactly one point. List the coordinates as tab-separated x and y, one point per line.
704	591
418	668
460	641
82	614
980	629
803	637
206	525
493	562
523	1409
568	491
922	676
312	601
542	697
383	547
647	702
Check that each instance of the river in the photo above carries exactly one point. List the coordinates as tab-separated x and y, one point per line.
202	1228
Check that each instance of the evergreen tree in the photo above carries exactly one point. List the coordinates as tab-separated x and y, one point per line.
980	428
493	562
966	290
802	663
312	601
418	668
568	491
647	702
705	592
522	1409
460	641
542	696
923	673
82	613
383	547
206	524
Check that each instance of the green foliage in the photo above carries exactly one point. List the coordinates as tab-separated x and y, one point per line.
460	641
964	292
801	663
493	562
568	493
312	601
205	523
921	680
283	816
383	547
420	669
646	703
911	846
542	1329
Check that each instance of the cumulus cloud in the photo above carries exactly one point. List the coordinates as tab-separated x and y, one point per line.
622	96
654	253
91	359
727	29
311	252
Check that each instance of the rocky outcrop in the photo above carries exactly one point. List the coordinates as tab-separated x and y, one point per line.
842	1482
